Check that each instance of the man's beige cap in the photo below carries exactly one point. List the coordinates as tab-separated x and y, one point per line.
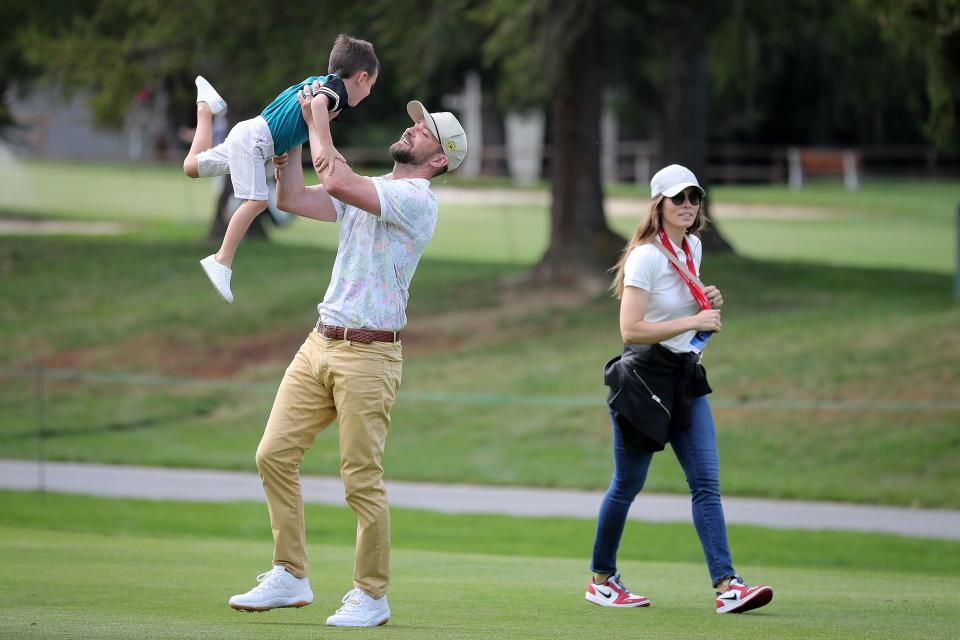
445	126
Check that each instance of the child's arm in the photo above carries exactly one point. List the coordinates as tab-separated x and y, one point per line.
323	152
340	182
293	196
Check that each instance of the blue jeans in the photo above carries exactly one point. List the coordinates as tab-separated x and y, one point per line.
696	449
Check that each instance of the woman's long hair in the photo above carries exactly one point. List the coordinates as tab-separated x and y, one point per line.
646	231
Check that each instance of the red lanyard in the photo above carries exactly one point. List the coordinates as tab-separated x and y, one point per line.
695	289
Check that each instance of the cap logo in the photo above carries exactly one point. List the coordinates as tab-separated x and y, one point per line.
451	146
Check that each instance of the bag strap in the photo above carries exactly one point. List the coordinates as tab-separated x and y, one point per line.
679	265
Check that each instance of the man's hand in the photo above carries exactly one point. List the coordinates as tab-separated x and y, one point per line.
279	162
313	101
305	98
325	98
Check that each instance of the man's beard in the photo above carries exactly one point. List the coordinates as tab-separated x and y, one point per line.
402	154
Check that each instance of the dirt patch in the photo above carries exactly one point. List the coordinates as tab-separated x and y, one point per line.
161	355
520	312
41	227
517	312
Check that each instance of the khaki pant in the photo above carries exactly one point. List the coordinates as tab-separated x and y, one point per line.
356	384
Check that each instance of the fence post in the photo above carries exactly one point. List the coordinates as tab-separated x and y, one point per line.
41	454
794	168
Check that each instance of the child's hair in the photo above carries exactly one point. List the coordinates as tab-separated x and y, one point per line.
350	56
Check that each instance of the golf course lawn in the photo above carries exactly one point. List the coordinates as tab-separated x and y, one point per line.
86	567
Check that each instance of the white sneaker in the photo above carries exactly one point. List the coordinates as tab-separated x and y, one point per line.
206	93
219	276
360	610
277	588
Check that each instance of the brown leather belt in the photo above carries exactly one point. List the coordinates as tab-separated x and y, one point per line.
366	336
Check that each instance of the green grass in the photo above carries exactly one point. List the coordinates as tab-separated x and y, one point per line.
923	244
916	199
876	198
907	224
904	223
126	193
92	567
515	398
823	333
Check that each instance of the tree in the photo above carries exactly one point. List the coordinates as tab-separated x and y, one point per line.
688	72
815	72
685	96
113	49
15	69
537	53
578	51
582	247
550	51
929	29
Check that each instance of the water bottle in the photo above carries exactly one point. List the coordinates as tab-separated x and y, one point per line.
699	340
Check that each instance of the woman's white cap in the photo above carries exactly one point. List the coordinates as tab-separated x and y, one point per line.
672	180
447	129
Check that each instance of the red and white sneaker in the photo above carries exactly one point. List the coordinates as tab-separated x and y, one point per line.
740	597
613	593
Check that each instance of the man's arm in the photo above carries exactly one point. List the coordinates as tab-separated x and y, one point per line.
338	178
293	196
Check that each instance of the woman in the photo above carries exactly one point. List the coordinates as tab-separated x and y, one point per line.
658	389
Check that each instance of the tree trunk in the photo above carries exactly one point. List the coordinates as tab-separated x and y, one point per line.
224	208
582	247
684	109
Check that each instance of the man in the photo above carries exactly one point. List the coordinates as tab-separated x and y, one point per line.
349	367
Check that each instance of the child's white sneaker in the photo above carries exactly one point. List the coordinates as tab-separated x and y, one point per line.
206	93
360	610
275	589
219	276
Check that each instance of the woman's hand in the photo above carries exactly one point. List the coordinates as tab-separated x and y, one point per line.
713	295
708	320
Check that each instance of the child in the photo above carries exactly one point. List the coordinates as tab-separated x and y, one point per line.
352	72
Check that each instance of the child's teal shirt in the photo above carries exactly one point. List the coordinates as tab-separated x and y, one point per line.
284	120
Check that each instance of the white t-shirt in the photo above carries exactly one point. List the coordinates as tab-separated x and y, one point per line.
377	256
670	298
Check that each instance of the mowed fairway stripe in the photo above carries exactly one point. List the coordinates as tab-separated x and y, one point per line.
81	585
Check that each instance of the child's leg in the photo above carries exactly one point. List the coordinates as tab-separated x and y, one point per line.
236	228
202	139
209	104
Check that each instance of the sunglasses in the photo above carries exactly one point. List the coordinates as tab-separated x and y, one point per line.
693	195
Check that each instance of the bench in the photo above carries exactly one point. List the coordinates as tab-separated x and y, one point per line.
845	162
